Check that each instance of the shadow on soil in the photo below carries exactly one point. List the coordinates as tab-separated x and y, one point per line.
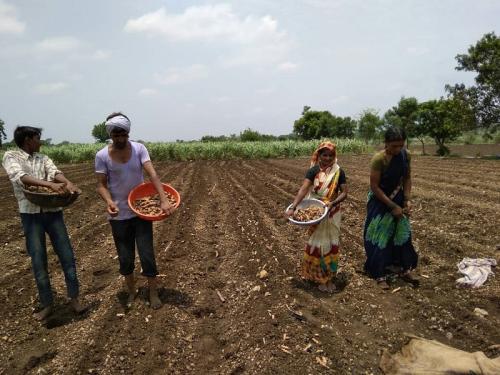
167	297
341	281
64	314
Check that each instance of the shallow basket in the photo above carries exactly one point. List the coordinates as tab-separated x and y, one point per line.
148	189
46	200
309	203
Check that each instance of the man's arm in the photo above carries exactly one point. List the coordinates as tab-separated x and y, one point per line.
103	191
18	176
165	204
72	188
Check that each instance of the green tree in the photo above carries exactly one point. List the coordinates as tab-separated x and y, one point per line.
484	59
443	120
342	127
249	135
312	124
320	124
404	115
212	138
368	124
3	136
46	142
100	133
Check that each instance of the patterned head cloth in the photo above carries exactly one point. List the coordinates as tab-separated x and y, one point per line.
328	145
118	122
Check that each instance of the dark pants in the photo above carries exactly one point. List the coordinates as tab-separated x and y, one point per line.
35	226
128	233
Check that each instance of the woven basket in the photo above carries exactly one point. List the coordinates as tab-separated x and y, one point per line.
46	200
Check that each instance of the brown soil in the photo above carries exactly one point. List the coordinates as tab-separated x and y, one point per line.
228	228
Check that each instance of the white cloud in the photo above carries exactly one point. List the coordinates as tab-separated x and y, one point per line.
147	92
340	99
58	44
222	99
265	91
181	75
255	39
50	88
288	66
325	4
9	24
417	51
100	55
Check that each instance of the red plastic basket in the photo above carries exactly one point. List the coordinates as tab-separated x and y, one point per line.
148	189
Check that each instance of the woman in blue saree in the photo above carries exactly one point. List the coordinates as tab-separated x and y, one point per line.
387	231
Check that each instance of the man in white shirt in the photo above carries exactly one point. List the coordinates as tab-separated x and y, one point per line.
26	167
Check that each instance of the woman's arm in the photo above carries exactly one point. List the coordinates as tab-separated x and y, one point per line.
407	193
340	198
375	176
304	189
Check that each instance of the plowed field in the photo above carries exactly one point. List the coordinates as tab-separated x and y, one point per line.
228	228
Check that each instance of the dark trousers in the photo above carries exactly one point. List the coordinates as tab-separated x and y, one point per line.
128	233
35	226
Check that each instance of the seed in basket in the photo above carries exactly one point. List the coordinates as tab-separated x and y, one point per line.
151	205
308	214
41	189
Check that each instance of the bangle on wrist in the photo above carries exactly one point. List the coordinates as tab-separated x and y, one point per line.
392	205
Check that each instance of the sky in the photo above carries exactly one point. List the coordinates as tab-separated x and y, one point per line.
184	69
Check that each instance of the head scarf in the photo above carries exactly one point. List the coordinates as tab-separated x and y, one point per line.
328	145
118	122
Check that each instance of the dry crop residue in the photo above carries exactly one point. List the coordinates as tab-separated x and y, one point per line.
222	314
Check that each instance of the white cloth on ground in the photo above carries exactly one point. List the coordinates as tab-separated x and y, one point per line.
475	271
118	122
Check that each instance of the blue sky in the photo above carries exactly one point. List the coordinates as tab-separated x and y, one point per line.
184	69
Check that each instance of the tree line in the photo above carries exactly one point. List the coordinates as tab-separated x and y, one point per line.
444	119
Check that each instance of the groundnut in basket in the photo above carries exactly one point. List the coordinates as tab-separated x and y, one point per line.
151	205
41	189
308	214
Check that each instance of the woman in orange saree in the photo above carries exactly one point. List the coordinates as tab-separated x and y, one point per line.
324	180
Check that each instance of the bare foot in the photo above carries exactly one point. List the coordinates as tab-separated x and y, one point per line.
409	278
43	314
131	297
77	306
330	287
154	300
